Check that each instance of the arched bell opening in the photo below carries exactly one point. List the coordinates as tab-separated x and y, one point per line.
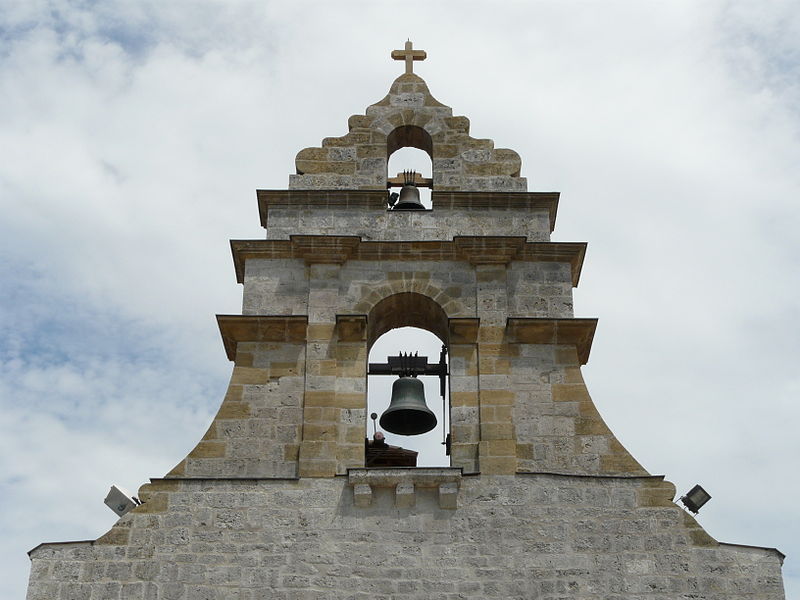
410	148
413	324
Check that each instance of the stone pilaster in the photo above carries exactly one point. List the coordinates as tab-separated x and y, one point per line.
335	395
351	394
464	405
497	450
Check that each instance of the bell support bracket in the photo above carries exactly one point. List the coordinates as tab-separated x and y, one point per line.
409	365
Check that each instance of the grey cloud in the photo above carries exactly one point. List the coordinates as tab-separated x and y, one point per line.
671	131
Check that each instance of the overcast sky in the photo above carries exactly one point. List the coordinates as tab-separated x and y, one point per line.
133	137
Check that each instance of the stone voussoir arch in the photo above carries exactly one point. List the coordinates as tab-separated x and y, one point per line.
371	295
401	304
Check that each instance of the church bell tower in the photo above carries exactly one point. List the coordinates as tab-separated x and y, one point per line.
279	500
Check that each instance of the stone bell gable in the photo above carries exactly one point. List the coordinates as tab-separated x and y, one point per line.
409	116
538	499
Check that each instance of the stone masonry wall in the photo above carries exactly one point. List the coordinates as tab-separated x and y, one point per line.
515	406
557	427
282	287
525	536
382	224
539	289
276	287
257	429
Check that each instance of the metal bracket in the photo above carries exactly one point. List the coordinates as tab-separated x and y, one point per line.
408	365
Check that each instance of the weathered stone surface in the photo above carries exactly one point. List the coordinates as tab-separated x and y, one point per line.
408	116
540	501
333	212
256	431
535	536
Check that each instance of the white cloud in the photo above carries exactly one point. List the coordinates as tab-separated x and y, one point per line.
132	136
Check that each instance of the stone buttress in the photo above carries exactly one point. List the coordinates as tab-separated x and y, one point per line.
540	499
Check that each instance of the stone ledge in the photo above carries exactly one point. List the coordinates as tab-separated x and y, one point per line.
478	250
376	200
405	482
260	328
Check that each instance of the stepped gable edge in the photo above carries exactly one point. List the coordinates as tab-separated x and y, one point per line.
408	116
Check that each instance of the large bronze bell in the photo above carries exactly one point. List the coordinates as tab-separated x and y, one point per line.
409	198
407	413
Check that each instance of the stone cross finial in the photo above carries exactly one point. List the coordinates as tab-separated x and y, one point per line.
409	55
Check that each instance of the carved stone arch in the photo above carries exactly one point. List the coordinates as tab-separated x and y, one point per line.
406	309
453	307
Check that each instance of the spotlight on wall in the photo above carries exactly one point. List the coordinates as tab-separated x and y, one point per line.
121	501
695	498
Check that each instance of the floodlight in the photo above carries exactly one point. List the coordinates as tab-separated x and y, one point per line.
695	498
121	501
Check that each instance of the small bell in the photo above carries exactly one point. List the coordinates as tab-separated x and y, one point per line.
409	194
407	413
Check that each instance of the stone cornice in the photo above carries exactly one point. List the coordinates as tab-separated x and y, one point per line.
476	250
405	481
481	250
534	330
376	200
258	328
463	330
324	249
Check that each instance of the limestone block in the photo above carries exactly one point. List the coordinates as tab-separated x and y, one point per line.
448	496
362	495
404	495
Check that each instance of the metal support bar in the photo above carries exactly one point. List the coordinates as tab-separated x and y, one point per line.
412	366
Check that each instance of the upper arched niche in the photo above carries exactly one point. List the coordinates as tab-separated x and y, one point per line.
408	116
409	136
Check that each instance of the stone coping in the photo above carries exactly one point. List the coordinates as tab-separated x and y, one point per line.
475	249
244	479
588	475
376	200
61	544
749	547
